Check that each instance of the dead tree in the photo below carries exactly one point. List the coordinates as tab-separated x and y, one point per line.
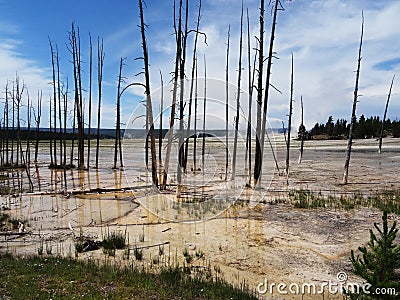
353	113
90	102
59	105
149	108
71	161
76	56
181	151
266	93
258	155
117	146
6	112
194	57
302	132
53	67
100	62
195	122
289	125
160	136
203	147
238	92
51	137
384	116
28	139
227	105
178	34
251	75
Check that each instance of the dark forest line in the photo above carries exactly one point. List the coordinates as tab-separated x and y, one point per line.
364	128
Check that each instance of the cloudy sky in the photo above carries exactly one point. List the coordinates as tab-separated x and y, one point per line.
323	36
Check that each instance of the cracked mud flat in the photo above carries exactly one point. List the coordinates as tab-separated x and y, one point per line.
247	242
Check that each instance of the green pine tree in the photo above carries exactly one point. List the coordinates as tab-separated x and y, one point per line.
379	263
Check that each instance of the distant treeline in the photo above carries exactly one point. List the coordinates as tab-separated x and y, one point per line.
363	129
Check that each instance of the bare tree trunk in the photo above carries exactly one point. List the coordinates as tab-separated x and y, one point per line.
178	33
192	86
227	106
289	126
195	123
267	85
7	134
80	111
258	154
302	132
28	139
65	135
59	106
181	151
90	102
238	98
51	135
71	162
203	147
149	108
353	114
160	137
249	117
18	99
100	62
54	105
384	116
76	55
118	121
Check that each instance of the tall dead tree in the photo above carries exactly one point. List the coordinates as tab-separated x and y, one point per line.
289	125
117	146
238	92
227	104
181	151
302	132
160	134
71	159
54	104
194	57
203	146
178	34
59	106
353	113
90	101
7	129
258	156
149	108
251	76
266	93
28	139
76	56
100	63
195	122
384	116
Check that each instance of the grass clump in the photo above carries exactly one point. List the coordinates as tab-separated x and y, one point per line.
114	240
138	253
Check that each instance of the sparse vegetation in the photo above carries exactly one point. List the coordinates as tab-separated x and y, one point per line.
114	240
63	278
138	252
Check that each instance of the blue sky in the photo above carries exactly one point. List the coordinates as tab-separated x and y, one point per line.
323	35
